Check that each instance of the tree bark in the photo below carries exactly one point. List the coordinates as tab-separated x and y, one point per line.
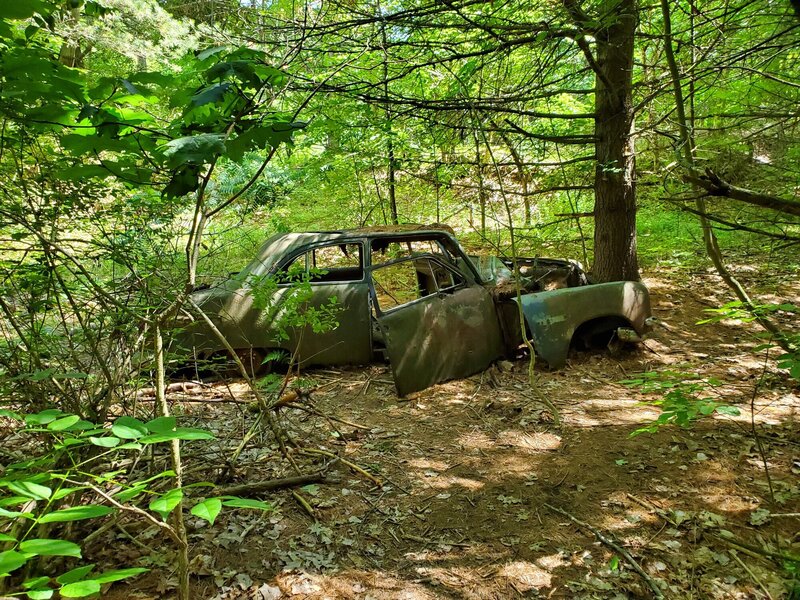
615	178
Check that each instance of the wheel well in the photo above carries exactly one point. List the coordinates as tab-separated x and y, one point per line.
597	333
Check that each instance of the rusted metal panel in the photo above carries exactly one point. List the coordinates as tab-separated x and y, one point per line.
441	337
554	316
246	326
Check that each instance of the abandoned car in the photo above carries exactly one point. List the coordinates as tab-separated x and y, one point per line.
409	296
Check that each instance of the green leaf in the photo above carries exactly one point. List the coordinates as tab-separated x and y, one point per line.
4	537
11	560
63	492
182	433
30	489
42	594
10	414
46	547
35	582
119	574
79	589
188	433
207	509
194	149
11	514
63	423
161	425
165	504
105	442
613	564
261	137
128	428
209	52
728	410
184	181
46	416
75	574
234	502
76	513
211	94
130	493
130	446
19	9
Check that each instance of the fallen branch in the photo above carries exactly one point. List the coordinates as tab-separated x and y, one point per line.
614	546
347	463
274	484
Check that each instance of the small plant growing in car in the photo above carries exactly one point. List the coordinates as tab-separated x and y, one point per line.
69	476
286	303
684	397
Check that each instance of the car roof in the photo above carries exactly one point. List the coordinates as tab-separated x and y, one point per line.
281	244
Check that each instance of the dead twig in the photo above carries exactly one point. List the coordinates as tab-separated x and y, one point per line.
614	546
758	582
260	487
345	462
304	504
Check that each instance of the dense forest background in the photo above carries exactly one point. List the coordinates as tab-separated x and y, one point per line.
149	147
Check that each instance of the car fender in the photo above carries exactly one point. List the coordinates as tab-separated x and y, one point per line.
554	316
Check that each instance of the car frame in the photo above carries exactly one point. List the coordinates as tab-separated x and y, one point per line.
412	296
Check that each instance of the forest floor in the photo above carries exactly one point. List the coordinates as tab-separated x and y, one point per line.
475	473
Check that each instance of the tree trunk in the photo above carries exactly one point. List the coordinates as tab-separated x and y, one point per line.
615	177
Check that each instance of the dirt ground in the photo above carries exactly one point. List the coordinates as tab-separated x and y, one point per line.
480	486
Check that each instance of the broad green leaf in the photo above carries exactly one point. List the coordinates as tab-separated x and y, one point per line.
10	414
30	489
76	513
4	537
194	149
182	433
19	9
79	589
207	509
130	446
261	137
119	574
184	181
75	574
10	561
234	502
35	582
11	514
105	442
44	417
211	94
128	428
161	425
163	505
41	594
728	410
63	423
130	493
209	52
186	433
63	492
46	547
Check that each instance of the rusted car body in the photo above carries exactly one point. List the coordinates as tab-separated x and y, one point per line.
414	298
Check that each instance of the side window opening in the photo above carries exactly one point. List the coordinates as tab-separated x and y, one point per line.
387	249
403	281
329	263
